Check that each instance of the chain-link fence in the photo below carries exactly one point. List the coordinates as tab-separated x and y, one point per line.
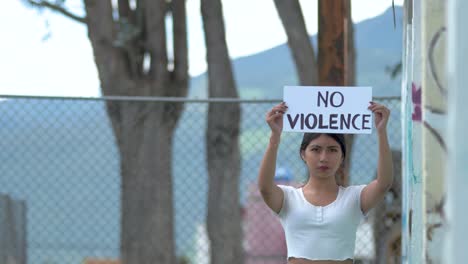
60	156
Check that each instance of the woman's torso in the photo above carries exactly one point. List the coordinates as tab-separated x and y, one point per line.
329	225
319	201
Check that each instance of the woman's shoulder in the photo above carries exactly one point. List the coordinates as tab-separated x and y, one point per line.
353	189
289	189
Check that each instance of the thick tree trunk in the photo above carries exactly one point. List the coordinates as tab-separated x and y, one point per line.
350	53
298	40
143	131
350	77
145	145
336	55
223	154
331	42
147	211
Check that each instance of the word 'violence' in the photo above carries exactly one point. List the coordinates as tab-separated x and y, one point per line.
332	121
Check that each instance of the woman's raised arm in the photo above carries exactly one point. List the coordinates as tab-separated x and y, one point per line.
271	193
375	191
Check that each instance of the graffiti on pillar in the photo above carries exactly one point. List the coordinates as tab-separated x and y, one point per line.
433	121
416	98
435	44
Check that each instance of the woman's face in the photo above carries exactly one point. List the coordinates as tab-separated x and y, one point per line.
323	157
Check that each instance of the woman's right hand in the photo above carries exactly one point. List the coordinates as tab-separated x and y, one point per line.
274	118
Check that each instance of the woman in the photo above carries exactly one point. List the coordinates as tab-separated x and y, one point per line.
320	219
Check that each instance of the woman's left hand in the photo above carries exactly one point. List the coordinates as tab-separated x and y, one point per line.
381	115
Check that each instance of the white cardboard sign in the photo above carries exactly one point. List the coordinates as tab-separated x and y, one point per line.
328	109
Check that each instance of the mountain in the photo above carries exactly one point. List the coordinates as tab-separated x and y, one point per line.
262	75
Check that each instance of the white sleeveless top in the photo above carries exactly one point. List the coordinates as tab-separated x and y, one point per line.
321	232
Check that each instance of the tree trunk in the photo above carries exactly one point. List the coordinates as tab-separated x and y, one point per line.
143	131
298	40
331	42
147	211
350	53
223	154
350	77
336	55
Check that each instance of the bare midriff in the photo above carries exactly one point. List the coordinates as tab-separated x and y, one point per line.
308	261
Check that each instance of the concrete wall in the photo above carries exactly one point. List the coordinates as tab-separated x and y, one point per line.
424	120
434	100
457	180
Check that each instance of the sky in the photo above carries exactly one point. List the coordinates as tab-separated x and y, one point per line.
47	54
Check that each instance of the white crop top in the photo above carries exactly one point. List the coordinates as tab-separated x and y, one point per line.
321	232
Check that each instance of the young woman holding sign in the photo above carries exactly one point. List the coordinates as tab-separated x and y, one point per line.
320	219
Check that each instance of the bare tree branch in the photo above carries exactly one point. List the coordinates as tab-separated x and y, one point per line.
101	33
124	9
180	42
155	32
301	48
57	8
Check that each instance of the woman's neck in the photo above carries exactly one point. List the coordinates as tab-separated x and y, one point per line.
316	184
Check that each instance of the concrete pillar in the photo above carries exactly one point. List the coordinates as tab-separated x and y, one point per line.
434	146
413	231
457	180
